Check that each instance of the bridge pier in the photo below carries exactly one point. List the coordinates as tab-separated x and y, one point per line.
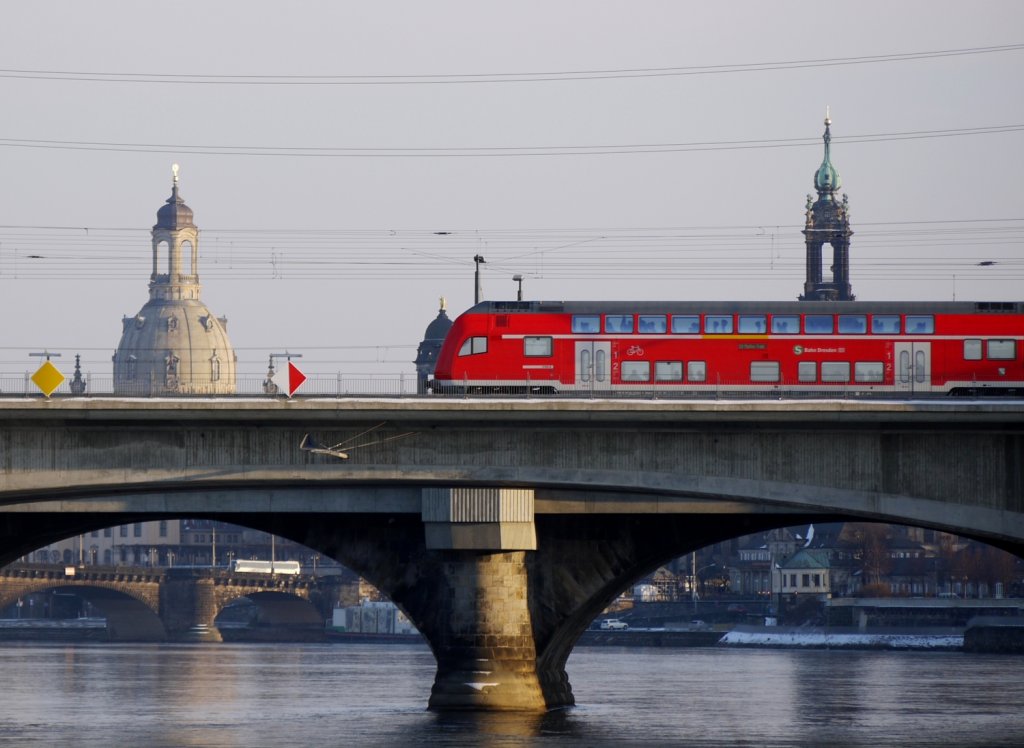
482	635
502	622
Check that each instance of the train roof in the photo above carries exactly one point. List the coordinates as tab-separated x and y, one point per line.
748	307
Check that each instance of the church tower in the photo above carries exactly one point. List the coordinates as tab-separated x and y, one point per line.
827	223
174	345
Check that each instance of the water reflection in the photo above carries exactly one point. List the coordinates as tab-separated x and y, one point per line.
344	695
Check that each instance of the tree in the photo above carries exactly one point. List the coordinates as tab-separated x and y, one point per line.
869	546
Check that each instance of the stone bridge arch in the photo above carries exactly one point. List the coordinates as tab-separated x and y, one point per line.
129	600
286	606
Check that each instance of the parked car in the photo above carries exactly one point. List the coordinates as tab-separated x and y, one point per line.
613	624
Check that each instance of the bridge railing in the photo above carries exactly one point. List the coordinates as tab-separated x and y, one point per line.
406	385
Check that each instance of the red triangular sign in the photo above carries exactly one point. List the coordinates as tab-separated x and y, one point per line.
289	379
295	378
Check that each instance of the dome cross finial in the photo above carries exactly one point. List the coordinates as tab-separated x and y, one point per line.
828	118
174	172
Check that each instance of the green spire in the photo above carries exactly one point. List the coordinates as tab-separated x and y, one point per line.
826	178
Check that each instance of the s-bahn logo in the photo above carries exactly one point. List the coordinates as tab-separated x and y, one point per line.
798	349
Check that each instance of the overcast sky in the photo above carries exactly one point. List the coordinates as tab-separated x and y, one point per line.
346	161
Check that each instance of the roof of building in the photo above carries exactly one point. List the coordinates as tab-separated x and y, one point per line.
806	558
826	178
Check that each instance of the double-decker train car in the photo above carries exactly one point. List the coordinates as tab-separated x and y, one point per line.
954	348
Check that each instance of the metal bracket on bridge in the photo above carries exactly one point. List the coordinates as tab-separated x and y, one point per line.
485	519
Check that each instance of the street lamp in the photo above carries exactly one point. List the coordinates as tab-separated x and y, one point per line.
519	293
694	572
478	261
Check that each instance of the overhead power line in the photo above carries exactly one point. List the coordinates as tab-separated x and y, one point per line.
495	77
491	151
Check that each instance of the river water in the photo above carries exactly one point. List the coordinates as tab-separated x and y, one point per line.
375	694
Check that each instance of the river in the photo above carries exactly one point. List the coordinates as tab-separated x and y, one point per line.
375	694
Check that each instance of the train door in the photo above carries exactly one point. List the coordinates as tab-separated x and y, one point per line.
593	364
913	367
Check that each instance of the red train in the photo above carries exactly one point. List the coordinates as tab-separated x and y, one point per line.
956	348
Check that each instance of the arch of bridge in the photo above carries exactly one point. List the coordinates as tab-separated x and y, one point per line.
142	588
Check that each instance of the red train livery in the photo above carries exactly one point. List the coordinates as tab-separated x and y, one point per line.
956	348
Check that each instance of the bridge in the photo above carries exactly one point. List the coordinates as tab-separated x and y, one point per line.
503	527
156	604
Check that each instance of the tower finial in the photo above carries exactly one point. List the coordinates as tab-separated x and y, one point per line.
828	118
444	304
174	171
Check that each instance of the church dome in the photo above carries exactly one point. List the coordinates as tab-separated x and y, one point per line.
430	346
174	214
439	327
174	345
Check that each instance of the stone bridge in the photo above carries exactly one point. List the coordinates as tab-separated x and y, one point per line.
147	604
503	527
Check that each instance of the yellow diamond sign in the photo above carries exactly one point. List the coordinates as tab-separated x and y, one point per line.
47	378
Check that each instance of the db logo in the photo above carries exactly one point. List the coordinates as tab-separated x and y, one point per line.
798	349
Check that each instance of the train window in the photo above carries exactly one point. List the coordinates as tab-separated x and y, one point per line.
885	324
835	371
682	323
818	323
586	323
783	323
807	371
764	371
696	371
972	350
920	323
752	323
1003	350
618	323
868	371
636	371
473	346
718	324
652	323
537	346
853	324
668	371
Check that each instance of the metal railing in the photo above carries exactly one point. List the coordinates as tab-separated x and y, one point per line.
407	385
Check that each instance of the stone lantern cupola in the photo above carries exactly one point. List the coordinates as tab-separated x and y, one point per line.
827	222
174	345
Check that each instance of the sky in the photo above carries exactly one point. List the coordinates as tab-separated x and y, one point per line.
346	161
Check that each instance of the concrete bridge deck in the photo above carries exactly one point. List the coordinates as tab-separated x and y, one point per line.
503	527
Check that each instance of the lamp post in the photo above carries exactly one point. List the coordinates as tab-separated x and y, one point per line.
478	260
694	572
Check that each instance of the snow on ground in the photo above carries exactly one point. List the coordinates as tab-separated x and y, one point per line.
825	639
